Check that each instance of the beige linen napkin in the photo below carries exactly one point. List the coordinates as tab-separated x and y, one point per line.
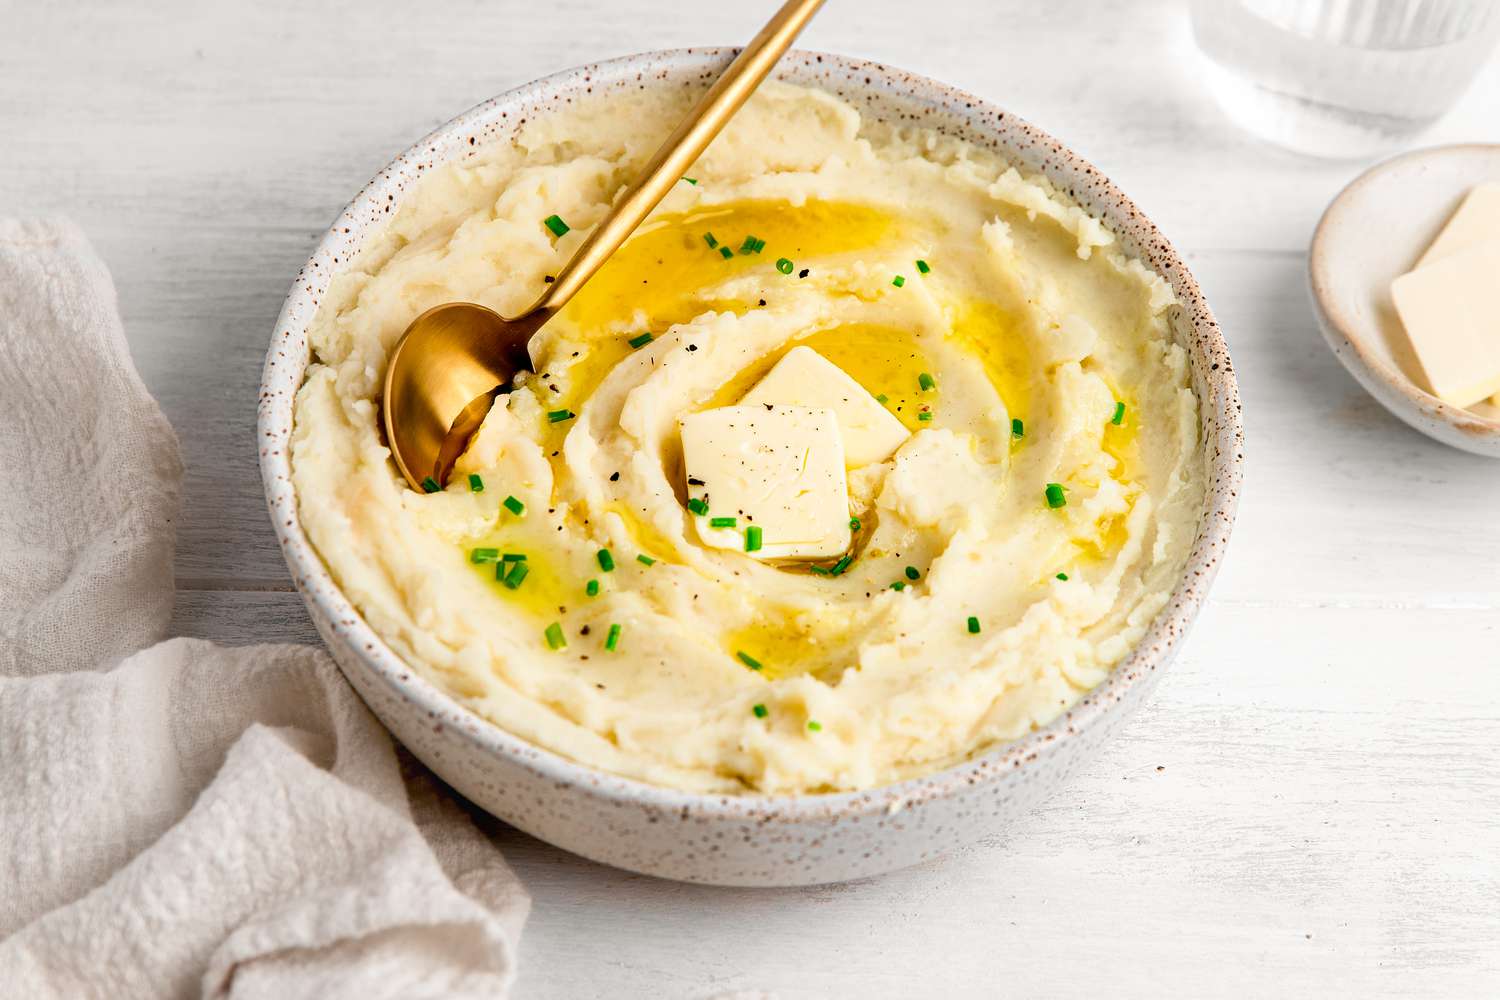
187	819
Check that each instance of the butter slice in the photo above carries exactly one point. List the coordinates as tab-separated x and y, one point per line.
781	469
1452	316
1476	222
803	377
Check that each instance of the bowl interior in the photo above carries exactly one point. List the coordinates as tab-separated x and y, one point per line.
880	91
1375	231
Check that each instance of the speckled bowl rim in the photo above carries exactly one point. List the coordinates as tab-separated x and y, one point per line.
1335	320
1220	411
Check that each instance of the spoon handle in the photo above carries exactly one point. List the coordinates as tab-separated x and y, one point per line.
680	150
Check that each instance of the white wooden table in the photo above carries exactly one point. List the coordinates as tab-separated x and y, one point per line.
1312	804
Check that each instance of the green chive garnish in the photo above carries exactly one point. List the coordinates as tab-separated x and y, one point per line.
1062	576
691	180
557	416
555	638
925	415
645	560
606	561
709	239
726	253
853	524
926	381
1055	498
698	505
882	399
640	341
476	484
899	585
752	538
748	660
484	555
748	247
515	506
815	725
430	485
898	281
1017	428
1119	414
820	570
843	564
722	522
922	266
513	557
973	625
912	573
784	266
518	571
760	711
613	639
556	224
592	589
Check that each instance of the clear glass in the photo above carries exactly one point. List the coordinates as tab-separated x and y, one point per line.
1342	78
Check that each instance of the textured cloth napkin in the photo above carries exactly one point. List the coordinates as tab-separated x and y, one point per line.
185	819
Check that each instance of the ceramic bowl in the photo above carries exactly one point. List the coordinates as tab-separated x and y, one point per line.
1373	232
749	840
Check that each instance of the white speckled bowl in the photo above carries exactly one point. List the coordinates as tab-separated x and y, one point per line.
1373	232
758	841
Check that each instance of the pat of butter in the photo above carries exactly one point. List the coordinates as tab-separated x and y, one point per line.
780	469
803	377
1452	316
1476	222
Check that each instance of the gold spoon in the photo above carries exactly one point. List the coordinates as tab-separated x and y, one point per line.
446	368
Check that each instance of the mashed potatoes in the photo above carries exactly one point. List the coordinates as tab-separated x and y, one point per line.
974	607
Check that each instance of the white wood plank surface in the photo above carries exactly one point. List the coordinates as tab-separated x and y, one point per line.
1312	804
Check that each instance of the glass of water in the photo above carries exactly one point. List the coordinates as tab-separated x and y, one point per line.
1342	78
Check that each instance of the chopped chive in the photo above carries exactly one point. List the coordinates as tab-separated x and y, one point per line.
555	637
898	281
820	570
722	522
853	524
476	484
753	538
926	381
640	341
558	416
1062	576
430	485
760	245
882	399
515	506
709	239
612	641
592	589
838	568
925	415
784	266
973	625
606	561
912	573
760	711
645	560
899	585
1119	414
513	557
698	505
484	555
748	660
726	253
1017	428
748	247
922	266
518	571
815	725
556	224
1055	498
691	180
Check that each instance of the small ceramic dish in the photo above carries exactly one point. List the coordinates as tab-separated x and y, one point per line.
747	840
1372	233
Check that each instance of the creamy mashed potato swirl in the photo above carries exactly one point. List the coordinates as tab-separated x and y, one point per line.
1032	322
